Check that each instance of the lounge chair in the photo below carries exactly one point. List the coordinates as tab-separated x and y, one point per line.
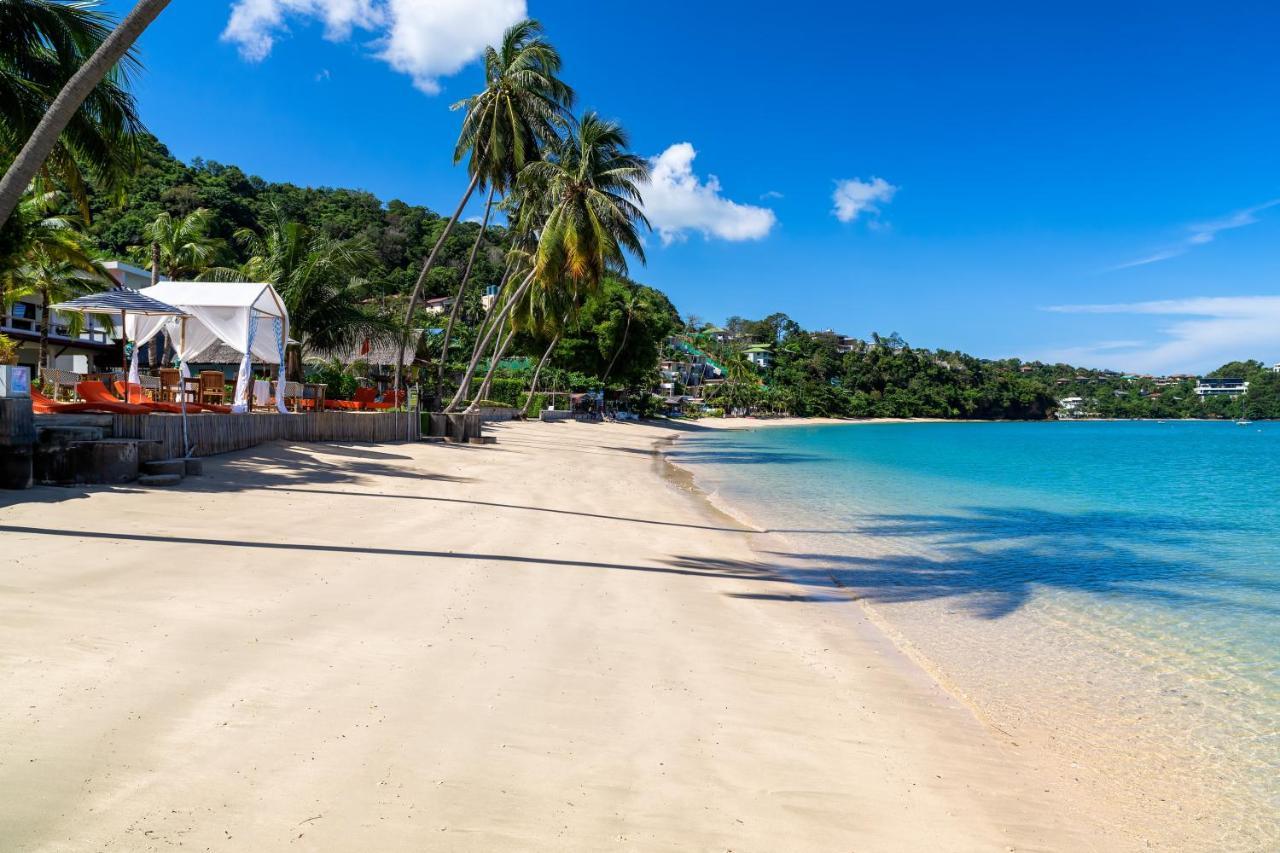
362	398
43	405
390	400
137	394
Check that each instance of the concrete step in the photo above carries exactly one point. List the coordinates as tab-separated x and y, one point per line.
194	467
159	479
111	460
66	434
165	466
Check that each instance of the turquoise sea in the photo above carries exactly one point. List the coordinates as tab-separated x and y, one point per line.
1108	591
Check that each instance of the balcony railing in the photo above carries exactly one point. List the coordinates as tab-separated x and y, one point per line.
59	333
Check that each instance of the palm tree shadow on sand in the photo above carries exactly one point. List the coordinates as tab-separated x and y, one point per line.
993	561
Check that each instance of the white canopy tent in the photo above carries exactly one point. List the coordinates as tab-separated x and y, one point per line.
249	317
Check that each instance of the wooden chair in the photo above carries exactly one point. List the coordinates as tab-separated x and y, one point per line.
213	387
170	384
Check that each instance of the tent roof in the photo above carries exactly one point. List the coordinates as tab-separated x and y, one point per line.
121	299
220	294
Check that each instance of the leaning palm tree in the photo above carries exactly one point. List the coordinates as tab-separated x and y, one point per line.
82	78
182	245
589	190
519	110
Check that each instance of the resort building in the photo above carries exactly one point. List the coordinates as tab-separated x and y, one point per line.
489	297
24	320
1221	387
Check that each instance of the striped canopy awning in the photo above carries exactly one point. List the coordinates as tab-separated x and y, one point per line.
116	301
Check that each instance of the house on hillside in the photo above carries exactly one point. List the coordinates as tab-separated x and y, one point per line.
437	304
1221	388
1070	407
760	355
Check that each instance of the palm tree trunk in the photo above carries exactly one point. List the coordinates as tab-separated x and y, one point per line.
462	289
64	107
626	331
484	344
487	320
45	321
155	263
533	386
422	278
483	393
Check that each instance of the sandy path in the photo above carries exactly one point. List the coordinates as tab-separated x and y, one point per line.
539	645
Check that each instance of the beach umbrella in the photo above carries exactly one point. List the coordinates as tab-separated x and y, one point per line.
124	302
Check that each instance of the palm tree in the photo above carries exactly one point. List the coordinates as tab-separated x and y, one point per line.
43	29
519	110
589	191
57	281
182	246
319	280
629	309
51	261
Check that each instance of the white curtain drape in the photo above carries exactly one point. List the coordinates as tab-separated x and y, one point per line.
141	328
250	318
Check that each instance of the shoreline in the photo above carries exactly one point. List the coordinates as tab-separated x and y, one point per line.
542	644
1181	822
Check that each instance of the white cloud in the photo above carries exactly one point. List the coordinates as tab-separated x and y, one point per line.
854	197
1200	234
770	194
425	39
676	202
1216	329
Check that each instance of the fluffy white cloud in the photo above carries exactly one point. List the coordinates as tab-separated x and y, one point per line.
1202	233
854	197
1215	330
426	39
676	202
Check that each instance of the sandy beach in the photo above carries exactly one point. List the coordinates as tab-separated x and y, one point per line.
544	644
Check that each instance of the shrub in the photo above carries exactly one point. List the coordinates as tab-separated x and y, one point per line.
8	350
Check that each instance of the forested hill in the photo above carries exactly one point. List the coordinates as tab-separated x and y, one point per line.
617	339
401	234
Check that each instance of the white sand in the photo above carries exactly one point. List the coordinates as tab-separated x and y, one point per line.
538	645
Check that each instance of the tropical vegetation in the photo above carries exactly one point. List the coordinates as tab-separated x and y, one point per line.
534	308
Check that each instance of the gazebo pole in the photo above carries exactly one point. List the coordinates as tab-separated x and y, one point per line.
182	387
124	336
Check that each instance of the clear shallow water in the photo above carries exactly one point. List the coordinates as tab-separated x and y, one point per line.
1108	590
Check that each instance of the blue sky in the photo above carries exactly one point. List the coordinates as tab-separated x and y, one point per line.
949	171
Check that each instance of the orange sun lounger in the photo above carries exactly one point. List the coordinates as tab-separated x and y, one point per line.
43	405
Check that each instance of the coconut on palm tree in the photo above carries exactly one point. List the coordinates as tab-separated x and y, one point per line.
520	109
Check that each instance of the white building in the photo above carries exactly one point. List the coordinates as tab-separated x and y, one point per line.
437	304
1221	387
24	319
489	297
1070	407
